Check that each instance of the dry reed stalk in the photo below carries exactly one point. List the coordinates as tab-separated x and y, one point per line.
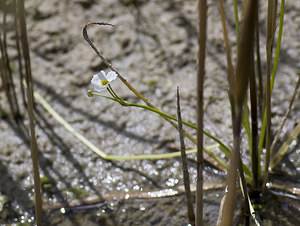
6	71
244	69
30	109
202	24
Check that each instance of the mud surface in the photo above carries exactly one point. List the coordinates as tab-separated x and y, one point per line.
154	47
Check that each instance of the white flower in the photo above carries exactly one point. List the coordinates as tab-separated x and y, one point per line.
101	80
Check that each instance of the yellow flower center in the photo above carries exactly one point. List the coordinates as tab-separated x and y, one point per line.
104	82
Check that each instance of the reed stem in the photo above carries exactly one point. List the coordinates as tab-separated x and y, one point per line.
271	28
30	107
202	29
245	56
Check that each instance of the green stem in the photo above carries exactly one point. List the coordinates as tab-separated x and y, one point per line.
218	162
101	153
236	17
273	74
165	115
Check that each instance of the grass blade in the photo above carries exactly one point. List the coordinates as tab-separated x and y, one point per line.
231	78
243	73
30	99
230	68
294	134
273	75
277	134
6	71
254	119
19	56
271	27
186	177
236	18
258	65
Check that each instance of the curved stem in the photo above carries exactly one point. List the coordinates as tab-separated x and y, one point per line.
165	115
99	152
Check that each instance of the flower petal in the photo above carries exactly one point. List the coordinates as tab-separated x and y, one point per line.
99	88
101	80
95	80
97	83
111	75
102	75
